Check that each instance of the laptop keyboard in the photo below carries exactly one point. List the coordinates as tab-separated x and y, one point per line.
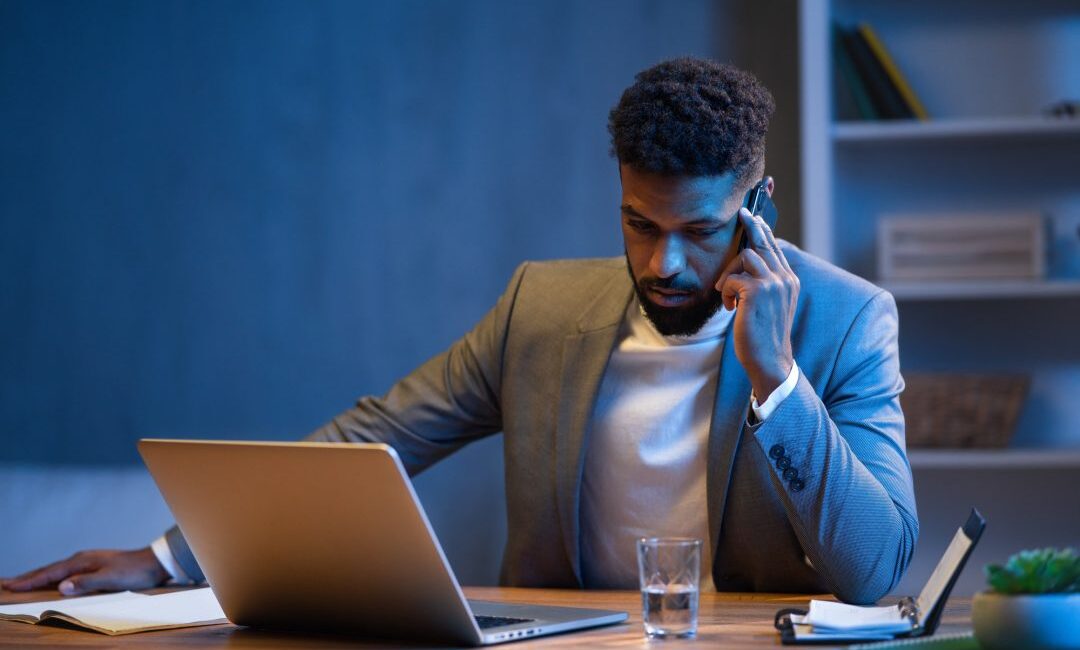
486	622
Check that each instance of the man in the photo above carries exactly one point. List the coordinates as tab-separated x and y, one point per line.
748	398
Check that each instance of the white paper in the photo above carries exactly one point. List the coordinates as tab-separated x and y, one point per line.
128	612
829	616
35	610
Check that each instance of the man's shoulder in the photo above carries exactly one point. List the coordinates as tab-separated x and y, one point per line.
572	278
569	290
586	267
823	284
838	311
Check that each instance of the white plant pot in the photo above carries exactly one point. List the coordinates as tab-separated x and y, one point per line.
1034	622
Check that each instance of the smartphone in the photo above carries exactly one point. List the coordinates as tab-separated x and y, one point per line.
759	203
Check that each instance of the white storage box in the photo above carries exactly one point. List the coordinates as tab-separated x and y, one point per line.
956	247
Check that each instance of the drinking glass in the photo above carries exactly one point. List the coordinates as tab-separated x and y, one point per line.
669	568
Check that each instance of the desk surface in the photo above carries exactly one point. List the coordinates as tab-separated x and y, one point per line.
727	620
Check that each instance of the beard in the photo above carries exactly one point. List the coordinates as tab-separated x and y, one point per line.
684	320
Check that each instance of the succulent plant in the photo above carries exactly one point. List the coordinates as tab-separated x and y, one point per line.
1039	571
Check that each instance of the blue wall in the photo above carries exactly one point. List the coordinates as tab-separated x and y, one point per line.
231	219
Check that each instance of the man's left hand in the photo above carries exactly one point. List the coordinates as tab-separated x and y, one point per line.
765	289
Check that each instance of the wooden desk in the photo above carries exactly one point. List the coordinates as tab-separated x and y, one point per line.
729	621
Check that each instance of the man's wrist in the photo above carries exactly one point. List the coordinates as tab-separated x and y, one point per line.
763	410
765	382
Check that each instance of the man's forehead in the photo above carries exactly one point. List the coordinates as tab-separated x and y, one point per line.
689	195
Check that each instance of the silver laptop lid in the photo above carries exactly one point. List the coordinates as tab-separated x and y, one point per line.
345	545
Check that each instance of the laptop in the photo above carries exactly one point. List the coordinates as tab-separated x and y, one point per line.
330	537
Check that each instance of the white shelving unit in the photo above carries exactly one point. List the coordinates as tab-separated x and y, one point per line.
986	70
987	128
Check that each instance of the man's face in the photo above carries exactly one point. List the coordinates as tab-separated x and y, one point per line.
678	232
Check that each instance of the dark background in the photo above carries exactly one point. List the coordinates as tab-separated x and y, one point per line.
229	219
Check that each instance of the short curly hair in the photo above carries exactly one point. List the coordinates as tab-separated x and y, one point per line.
692	117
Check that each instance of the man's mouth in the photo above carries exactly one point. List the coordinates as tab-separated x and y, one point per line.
669	297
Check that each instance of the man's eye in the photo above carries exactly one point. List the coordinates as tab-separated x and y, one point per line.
642	226
703	232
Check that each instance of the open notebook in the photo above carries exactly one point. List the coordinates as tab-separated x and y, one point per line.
831	622
125	612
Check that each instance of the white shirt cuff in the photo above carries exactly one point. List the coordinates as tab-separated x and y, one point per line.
163	553
773	402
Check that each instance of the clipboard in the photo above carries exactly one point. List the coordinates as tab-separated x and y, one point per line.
915	617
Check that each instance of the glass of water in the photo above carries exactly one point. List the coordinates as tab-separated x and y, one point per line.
669	568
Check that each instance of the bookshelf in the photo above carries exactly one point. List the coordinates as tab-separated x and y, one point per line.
1066	132
986	71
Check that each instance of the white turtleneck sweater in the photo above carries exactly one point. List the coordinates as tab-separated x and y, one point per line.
645	463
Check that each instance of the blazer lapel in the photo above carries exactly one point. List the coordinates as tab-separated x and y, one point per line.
729	414
584	357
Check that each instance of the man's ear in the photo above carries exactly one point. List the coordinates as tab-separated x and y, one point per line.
770	185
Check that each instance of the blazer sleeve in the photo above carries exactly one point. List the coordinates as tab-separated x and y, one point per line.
850	498
447	402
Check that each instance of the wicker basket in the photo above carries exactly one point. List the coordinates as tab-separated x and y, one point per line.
962	410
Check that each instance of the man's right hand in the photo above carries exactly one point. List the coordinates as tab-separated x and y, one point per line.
89	571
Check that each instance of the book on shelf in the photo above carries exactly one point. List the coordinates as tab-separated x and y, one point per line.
887	99
868	73
892	70
852	99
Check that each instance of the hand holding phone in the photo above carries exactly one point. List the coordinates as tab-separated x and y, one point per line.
759	203
761	283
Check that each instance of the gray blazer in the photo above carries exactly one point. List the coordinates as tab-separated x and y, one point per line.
532	366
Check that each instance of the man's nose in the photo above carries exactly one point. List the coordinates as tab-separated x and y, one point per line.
668	259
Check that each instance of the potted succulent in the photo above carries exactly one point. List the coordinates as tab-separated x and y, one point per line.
1033	602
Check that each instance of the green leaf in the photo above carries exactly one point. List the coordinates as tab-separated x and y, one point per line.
1039	571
